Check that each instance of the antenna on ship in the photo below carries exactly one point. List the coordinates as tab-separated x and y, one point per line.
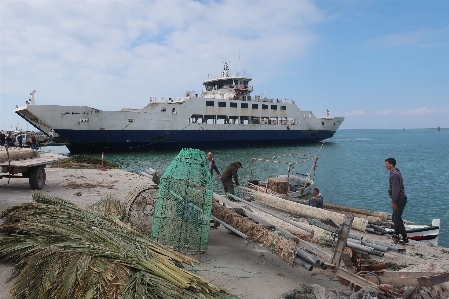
226	69
238	70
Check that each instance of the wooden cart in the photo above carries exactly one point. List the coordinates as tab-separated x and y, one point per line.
31	168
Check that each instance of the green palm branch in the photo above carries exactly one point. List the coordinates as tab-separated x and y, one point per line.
61	250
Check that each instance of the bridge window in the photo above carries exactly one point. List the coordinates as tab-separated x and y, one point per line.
244	120
221	104
264	106
274	107
283	107
196	119
233	119
209	119
233	105
255	106
255	120
210	103
244	105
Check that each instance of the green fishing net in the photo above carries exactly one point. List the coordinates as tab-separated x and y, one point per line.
184	203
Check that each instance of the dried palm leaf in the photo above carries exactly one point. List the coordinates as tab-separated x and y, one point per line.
61	250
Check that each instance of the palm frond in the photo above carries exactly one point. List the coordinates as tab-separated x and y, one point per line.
62	250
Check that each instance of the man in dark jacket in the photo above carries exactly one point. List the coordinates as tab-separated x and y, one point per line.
228	174
398	199
2	139
8	139
20	139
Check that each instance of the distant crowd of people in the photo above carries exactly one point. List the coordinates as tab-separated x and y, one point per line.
11	139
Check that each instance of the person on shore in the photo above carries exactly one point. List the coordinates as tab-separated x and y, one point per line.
19	140
398	199
13	140
227	176
2	139
8	140
33	141
212	165
316	200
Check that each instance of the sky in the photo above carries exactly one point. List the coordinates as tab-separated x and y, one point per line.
380	64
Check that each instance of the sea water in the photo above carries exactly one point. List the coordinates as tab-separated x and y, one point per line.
350	170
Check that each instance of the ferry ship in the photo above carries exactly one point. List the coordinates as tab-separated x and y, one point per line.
223	115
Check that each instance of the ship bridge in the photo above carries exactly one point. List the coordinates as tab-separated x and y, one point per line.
228	87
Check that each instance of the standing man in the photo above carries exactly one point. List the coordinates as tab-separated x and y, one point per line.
398	199
8	140
19	139
229	173
33	141
316	200
2	139
212	165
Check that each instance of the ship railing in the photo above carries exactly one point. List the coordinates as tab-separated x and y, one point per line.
270	100
167	100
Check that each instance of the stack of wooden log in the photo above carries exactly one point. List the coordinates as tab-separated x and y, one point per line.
16	154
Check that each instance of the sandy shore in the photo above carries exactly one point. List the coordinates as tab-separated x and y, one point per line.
244	269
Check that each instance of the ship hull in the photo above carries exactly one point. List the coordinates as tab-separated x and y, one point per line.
87	141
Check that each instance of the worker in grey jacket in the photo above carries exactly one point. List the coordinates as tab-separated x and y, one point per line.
398	199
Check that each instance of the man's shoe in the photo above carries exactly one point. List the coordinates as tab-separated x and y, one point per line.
405	241
395	237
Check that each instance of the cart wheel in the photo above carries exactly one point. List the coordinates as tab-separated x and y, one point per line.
37	177
140	206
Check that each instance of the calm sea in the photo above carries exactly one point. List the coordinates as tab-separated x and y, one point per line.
350	170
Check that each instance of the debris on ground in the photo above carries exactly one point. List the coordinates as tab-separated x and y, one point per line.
84	162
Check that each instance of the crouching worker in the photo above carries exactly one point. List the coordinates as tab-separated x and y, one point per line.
229	174
316	200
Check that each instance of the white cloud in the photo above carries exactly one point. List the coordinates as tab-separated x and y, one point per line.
418	111
354	113
383	112
423	38
80	52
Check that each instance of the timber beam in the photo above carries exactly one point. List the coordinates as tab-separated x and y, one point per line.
414	279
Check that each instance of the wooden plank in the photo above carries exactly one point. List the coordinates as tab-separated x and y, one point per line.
402	278
347	262
428	281
259	220
354	278
342	238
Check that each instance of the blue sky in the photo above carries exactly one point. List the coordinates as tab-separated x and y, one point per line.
381	64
